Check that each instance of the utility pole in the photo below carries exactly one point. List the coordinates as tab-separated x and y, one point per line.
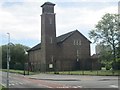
8	59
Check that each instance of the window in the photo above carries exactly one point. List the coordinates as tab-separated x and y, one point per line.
77	42
50	20
52	58
77	53
74	42
51	40
43	21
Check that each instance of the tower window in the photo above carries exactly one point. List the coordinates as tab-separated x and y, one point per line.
43	21
51	40
50	20
77	53
52	58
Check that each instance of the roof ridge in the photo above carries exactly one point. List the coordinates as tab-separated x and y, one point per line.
67	33
65	36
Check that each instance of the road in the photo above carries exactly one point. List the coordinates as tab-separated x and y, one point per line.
59	81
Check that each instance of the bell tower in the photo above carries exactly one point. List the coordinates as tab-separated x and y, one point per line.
48	35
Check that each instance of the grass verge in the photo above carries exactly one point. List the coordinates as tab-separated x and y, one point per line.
95	72
19	72
2	87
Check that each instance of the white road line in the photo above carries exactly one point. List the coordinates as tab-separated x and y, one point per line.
79	86
17	83
70	87
20	83
45	86
114	86
11	84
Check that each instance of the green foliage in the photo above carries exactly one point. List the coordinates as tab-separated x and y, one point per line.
107	31
2	87
118	50
20	71
116	65
108	66
17	54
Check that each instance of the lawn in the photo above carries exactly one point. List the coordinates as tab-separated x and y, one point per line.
95	72
19	72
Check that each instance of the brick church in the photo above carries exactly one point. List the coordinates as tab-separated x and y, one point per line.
70	51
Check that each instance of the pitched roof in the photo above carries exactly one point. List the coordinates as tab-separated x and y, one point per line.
48	3
37	47
63	37
60	39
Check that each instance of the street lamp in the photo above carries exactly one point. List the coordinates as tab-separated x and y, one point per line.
26	53
8	59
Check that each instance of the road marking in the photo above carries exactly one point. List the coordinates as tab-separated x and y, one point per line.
79	86
70	87
114	86
17	83
45	86
20	83
11	84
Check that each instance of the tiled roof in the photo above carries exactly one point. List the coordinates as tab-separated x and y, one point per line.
60	39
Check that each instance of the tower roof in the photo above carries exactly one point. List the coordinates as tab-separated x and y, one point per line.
48	3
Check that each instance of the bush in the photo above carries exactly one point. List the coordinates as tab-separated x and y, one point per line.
108	67
19	66
116	65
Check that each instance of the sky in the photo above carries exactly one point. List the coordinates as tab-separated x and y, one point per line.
21	18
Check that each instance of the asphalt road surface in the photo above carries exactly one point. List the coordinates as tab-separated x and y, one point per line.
59	81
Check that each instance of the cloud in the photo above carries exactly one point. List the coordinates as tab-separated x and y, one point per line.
80	18
23	21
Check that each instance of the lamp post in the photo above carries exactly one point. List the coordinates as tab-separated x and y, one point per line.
8	59
26	53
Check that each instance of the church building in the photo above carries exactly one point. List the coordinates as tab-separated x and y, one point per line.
70	51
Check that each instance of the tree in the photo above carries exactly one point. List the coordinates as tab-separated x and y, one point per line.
118	51
17	53
105	55
107	31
